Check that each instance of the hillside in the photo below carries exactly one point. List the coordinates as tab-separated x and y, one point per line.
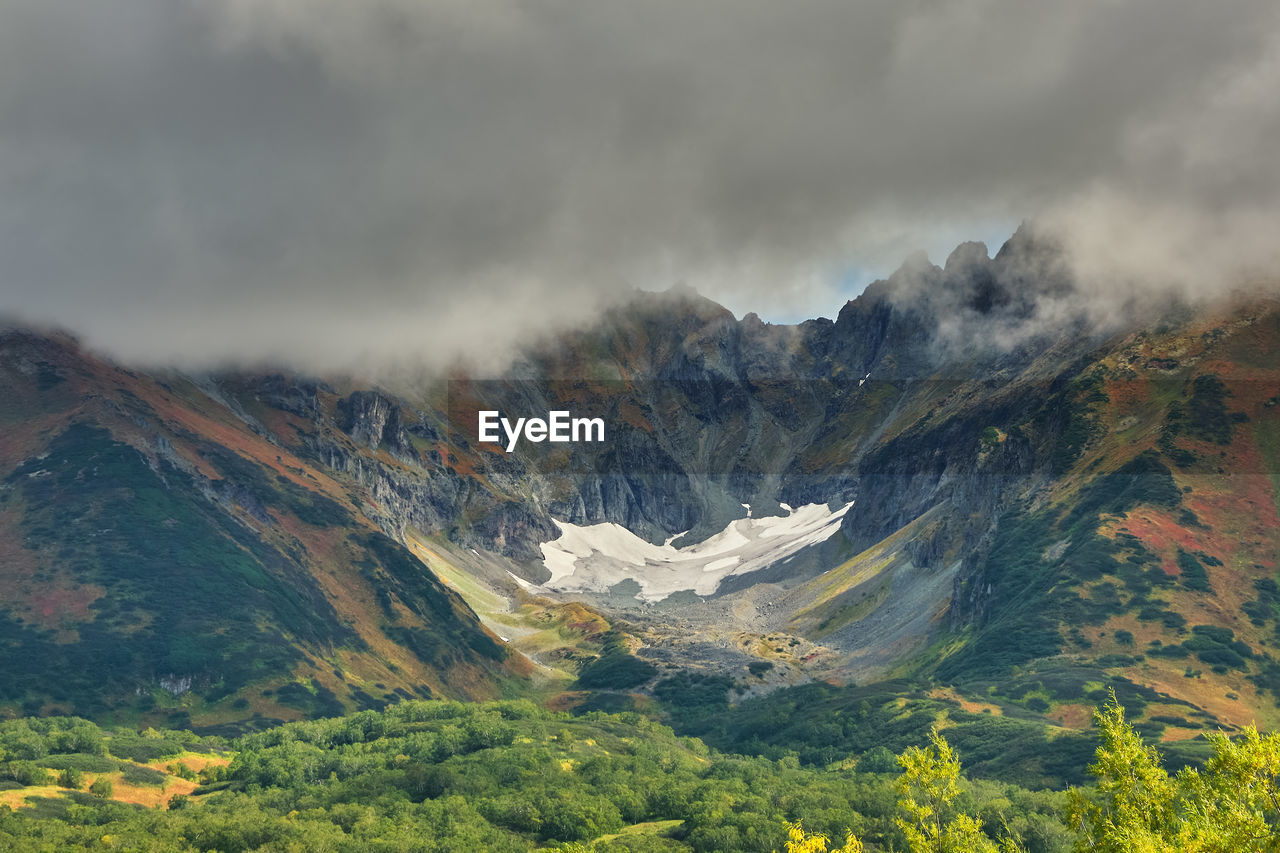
940	486
160	560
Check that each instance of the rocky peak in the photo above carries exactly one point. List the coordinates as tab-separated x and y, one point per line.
374	420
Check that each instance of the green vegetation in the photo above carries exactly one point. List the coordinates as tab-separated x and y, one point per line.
398	576
1039	564
509	776
71	778
616	668
1079	405
1203	417
822	724
928	788
1193	575
189	593
1232	803
1213	645
496	776
1267	605
181	597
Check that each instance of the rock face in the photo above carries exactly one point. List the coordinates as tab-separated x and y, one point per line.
375	421
706	413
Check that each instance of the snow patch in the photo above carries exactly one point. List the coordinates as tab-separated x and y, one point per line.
524	584
722	564
593	558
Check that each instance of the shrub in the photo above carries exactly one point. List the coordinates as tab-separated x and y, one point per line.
71	778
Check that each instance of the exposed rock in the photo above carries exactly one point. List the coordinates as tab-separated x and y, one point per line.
373	420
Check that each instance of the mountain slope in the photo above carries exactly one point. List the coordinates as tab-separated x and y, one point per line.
159	557
1035	507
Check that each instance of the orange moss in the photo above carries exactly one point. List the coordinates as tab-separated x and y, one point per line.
1161	533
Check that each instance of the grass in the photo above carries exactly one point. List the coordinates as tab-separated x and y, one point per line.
831	607
654	828
148	785
478	596
1266	432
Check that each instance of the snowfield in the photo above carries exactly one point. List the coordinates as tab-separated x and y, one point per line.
595	557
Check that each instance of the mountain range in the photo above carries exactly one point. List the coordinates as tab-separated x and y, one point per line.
965	482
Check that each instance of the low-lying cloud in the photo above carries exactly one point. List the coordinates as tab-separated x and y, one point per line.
329	182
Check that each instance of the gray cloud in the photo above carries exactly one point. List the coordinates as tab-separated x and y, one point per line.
330	181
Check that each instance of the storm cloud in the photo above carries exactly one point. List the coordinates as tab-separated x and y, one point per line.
332	181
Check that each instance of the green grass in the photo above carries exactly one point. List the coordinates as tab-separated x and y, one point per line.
1266	432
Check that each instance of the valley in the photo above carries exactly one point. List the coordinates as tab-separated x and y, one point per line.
776	509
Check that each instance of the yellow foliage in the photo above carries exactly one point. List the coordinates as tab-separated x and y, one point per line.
798	841
1232	805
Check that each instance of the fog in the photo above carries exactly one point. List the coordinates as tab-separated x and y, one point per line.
402	181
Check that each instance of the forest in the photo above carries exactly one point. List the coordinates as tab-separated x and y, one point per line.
512	776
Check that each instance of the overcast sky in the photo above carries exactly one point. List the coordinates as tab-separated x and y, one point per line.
335	180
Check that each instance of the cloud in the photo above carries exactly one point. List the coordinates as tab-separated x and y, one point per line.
328	181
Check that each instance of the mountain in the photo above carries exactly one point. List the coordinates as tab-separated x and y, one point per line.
159	556
963	480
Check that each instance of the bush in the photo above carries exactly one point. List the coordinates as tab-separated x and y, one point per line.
144	749
102	788
135	775
26	773
878	759
71	778
616	668
85	763
1193	573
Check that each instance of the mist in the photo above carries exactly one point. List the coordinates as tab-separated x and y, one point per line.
331	185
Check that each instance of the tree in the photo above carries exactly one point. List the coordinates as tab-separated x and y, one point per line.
1233	804
928	787
71	778
1133	807
798	841
102	788
26	773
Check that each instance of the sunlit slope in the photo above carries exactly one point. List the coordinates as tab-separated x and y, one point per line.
1150	550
